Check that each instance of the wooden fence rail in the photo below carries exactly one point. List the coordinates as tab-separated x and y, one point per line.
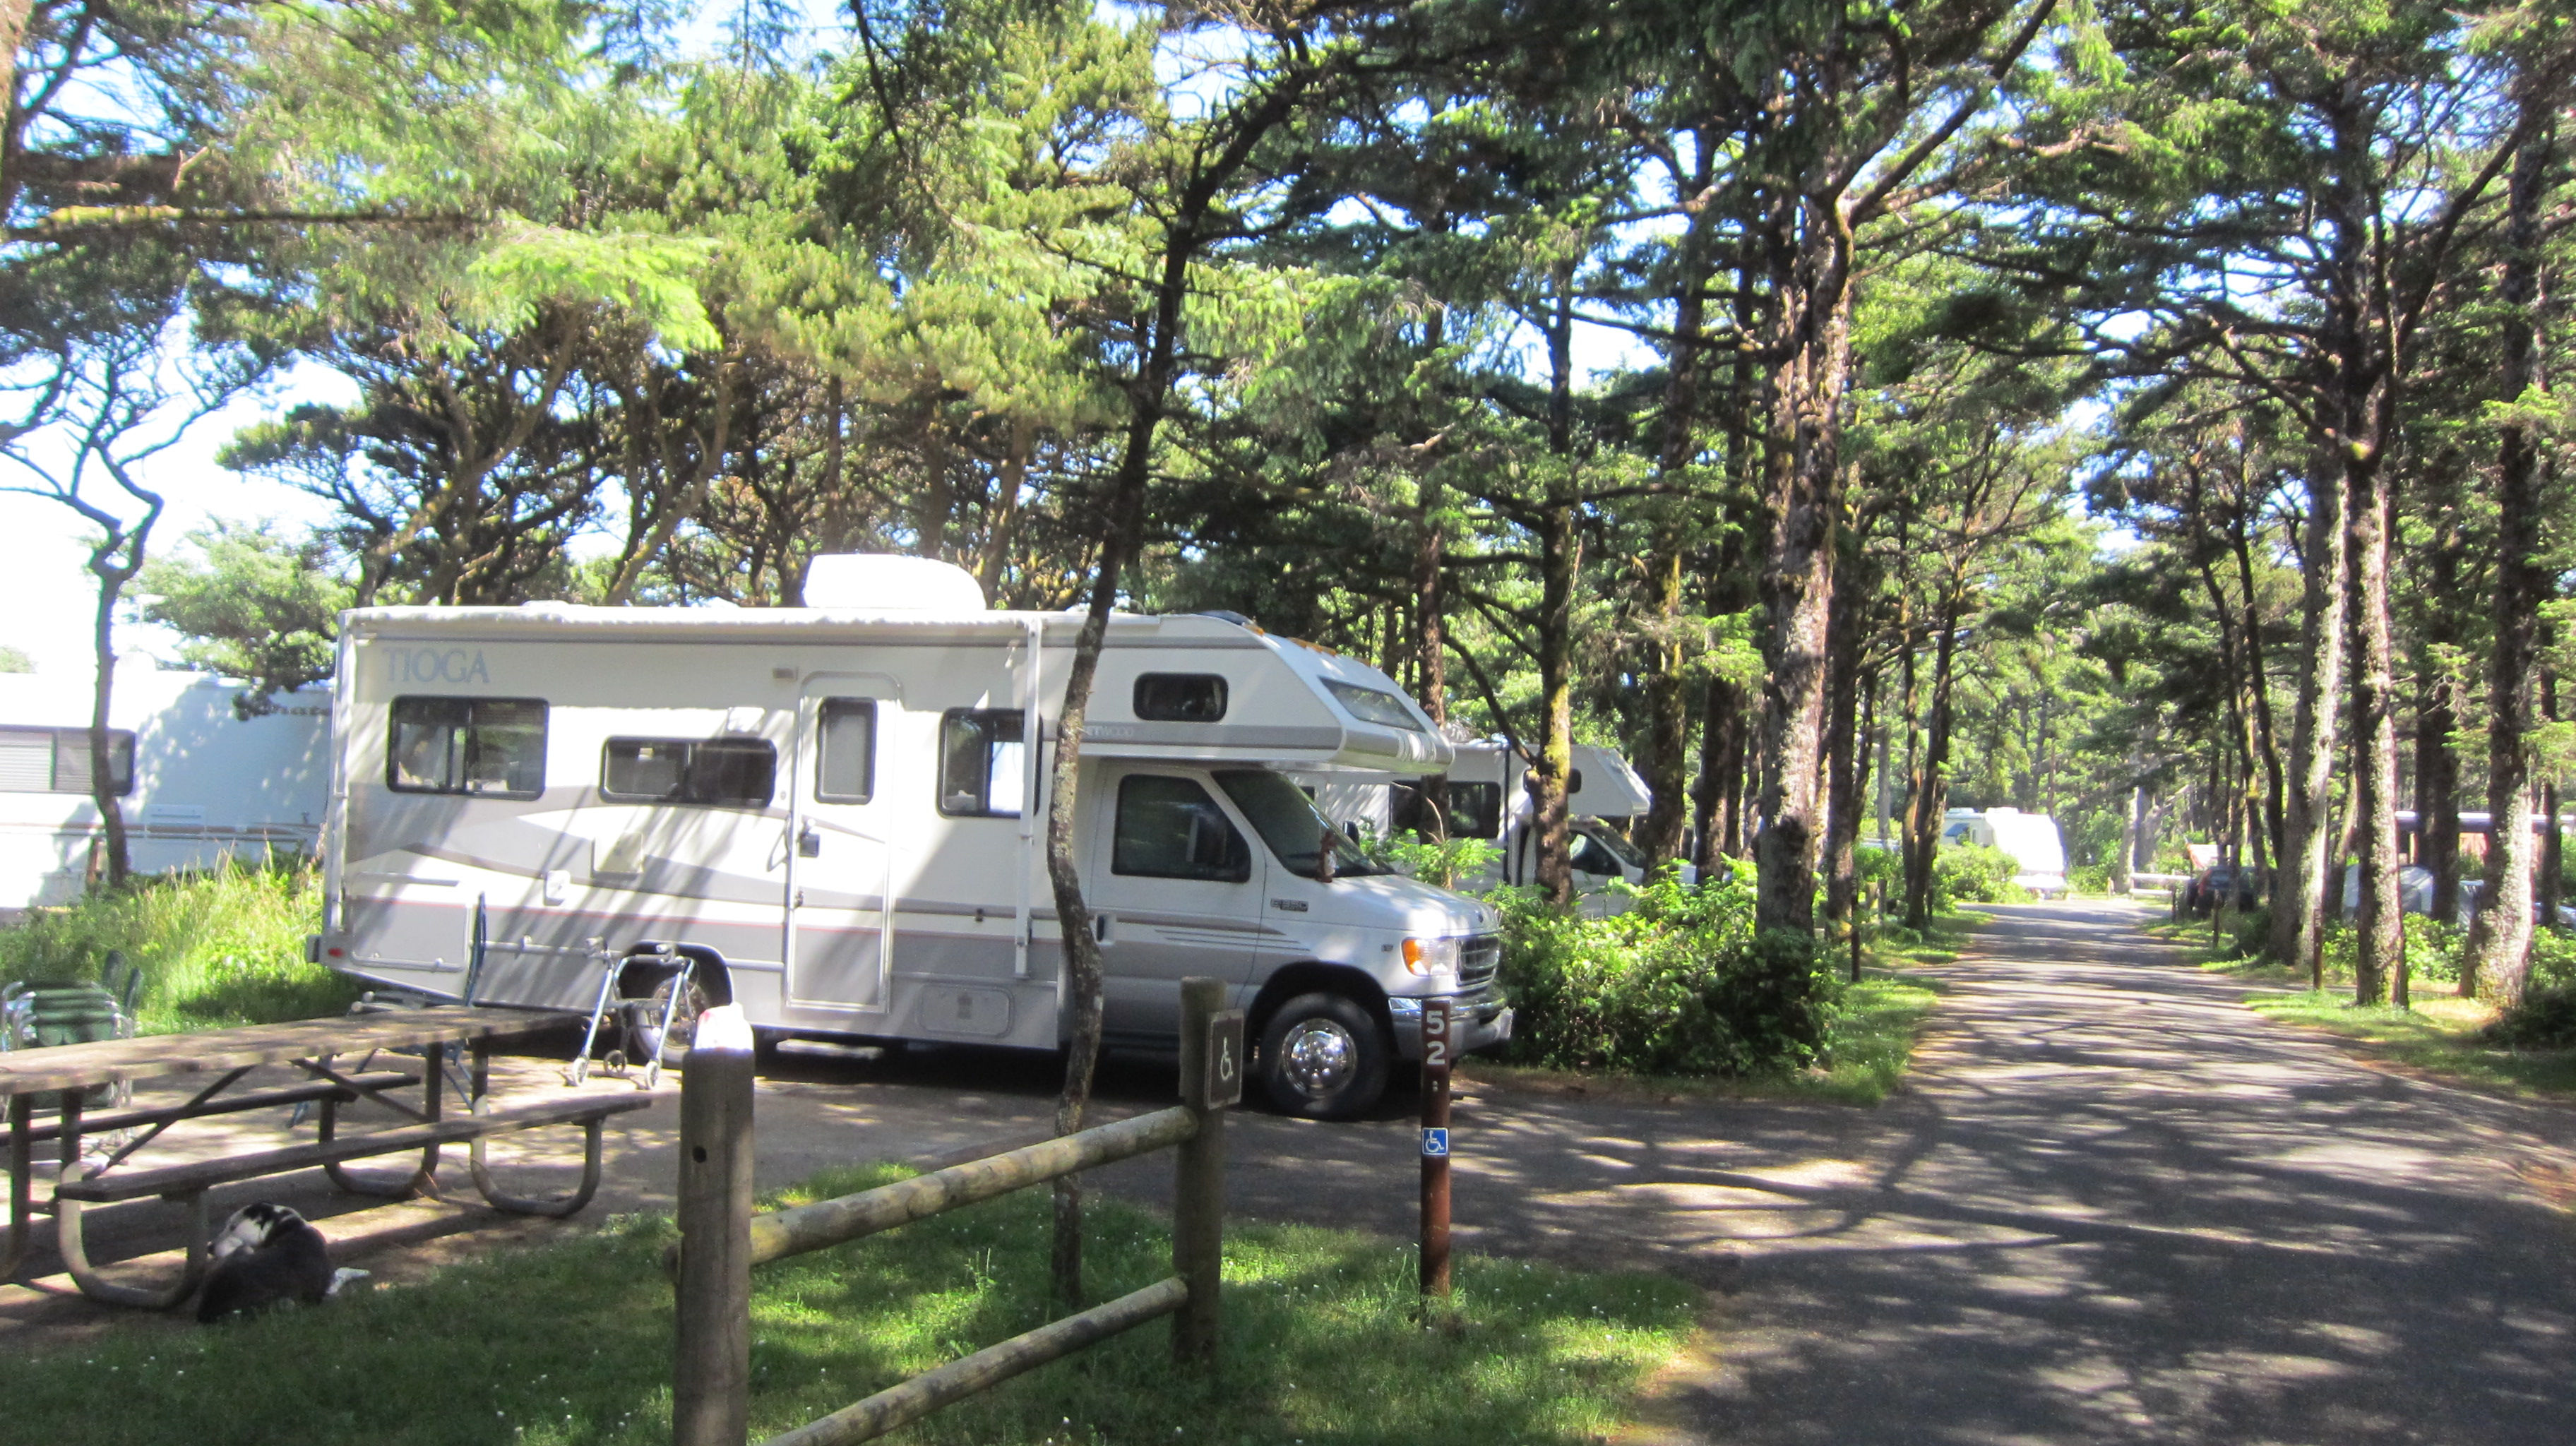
721	1237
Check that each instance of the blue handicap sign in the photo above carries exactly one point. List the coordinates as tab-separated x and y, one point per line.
1435	1142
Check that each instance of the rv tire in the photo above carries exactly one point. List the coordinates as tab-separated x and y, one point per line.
1324	1056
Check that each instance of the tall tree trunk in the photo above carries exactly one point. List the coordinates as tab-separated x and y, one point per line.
2301	891
930	521
1812	294
2498	959
1559	561
1709	789
114	564
1843	747
2379	948
1931	790
1006	505
1667	710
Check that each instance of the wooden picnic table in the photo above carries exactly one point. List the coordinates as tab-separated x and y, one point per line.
318	1047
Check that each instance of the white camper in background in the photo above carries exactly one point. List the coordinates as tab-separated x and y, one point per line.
832	814
2031	839
1488	799
201	785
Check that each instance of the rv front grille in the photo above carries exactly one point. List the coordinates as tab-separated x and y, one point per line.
1479	959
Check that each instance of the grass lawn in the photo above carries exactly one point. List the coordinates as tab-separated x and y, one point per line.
2437	1036
1869	1046
571	1343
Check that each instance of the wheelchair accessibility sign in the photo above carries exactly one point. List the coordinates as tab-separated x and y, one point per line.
1435	1142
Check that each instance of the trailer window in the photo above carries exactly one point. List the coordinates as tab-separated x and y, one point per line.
56	760
1373	705
490	747
1180	697
845	758
737	771
1475	810
981	763
1168	828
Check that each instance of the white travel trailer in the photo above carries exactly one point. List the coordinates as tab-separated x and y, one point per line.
832	814
2031	839
201	785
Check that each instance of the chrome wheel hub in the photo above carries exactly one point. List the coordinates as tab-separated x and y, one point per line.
1318	1057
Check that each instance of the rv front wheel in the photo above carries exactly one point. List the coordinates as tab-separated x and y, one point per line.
1324	1056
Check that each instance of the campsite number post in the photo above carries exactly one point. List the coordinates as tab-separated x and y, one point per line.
1211	1081
1436	1043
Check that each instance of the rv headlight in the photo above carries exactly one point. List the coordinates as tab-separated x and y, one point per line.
1432	956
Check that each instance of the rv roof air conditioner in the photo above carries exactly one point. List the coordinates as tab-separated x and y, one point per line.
882	583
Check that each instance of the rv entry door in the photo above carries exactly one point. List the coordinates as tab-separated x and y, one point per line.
841	876
1181	895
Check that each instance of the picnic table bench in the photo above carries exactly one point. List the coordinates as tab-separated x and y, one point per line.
315	1046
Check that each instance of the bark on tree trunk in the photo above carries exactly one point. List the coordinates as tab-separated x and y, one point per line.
1842	751
2498	960
1931	787
2379	950
1006	505
1667	710
1559	561
2300	885
930	525
1811	289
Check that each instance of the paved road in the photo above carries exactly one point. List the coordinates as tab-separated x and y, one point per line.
2118	1207
2115	1206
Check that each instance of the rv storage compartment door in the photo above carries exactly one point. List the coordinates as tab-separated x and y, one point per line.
1178	889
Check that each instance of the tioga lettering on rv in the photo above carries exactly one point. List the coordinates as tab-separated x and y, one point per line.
436	665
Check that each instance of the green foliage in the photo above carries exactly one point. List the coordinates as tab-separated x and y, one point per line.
1974	874
1442	864
570	1342
2088	879
15	660
1678	984
251	605
215	949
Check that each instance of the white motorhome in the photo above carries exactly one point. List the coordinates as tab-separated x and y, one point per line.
833	814
200	784
2031	839
1489	799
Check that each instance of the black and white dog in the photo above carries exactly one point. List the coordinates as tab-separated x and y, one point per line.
264	1255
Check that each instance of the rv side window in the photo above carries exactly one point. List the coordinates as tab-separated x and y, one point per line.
981	763
1168	828
1475	809
845	764
738	771
1180	697
493	747
56	760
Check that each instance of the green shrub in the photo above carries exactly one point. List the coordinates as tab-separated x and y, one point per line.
1974	874
1677	985
215	949
1441	864
2545	1019
2553	960
2089	879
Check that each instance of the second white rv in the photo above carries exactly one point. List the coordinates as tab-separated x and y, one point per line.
834	815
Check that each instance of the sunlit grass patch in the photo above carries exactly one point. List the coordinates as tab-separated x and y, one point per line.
2439	1036
216	949
1324	1339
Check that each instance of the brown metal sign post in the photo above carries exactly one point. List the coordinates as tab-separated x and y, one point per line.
1436	1039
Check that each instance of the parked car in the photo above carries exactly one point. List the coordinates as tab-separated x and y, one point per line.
2204	890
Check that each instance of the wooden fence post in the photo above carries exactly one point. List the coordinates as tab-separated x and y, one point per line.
711	1367
1198	1182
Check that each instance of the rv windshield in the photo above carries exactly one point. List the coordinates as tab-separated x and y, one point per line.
1287	820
